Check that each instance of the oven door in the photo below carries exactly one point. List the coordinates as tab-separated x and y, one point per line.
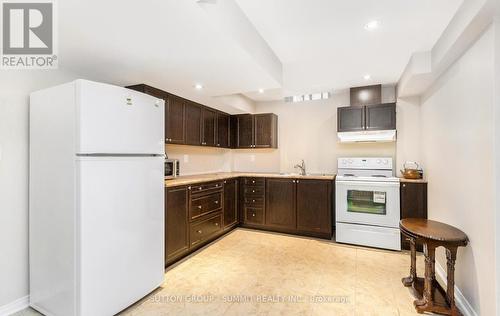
369	203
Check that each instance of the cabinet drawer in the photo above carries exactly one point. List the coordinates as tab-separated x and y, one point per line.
254	181
205	204
254	215
204	187
254	201
204	229
253	191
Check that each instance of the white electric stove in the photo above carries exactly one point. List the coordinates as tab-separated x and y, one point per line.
367	203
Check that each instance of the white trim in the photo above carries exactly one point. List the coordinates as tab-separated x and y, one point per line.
15	306
462	303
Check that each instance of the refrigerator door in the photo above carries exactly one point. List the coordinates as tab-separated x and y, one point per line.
116	120
120	243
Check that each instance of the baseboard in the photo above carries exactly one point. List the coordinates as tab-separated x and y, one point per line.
462	303
15	306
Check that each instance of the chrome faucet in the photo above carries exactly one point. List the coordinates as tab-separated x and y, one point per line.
302	167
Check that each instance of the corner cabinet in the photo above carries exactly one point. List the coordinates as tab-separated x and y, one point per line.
176	223
369	117
257	131
413	203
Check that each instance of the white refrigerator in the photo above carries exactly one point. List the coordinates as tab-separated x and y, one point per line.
96	198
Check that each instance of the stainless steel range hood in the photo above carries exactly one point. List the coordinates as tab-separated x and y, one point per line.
367	136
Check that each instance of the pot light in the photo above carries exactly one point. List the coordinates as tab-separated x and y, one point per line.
261	90
372	25
198	86
367	77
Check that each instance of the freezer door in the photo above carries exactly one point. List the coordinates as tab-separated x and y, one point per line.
116	120
120	247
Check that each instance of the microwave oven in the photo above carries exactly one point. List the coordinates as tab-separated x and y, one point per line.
172	169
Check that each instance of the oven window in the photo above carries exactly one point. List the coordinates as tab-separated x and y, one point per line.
370	202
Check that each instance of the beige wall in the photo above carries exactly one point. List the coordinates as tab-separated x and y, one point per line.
307	130
457	137
408	128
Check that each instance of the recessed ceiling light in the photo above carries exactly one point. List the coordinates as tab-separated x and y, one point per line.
367	77
372	25
261	90
198	86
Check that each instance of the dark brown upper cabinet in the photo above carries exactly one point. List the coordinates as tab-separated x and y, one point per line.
223	134
257	131
193	124
209	120
314	206
280	203
175	131
380	116
350	118
369	117
367	95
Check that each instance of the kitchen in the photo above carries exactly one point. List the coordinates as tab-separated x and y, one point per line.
240	233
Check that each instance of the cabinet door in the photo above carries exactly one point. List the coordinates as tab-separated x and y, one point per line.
176	222
366	95
193	123
350	119
223	130
175	120
314	206
413	197
230	202
380	117
245	131
209	124
265	130
280	203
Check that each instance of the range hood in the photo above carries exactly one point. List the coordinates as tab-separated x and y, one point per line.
367	136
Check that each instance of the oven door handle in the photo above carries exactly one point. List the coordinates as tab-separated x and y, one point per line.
368	183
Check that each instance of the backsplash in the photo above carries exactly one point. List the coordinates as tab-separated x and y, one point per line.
197	160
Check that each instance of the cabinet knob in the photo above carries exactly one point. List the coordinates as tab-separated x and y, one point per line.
225	181
216	202
200	188
253	181
253	201
404	185
218	144
199	206
216	224
253	214
199	232
297	181
189	188
253	191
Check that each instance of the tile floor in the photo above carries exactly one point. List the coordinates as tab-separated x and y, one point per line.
257	273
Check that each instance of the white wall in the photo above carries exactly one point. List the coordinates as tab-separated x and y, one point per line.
14	96
457	147
408	127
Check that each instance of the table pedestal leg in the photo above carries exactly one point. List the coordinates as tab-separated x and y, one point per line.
427	300
408	281
451	256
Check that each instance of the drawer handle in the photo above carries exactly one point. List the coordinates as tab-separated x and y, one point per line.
200	188
216	202
253	201
253	191
189	188
253	214
216	224
199	206
199	232
253	181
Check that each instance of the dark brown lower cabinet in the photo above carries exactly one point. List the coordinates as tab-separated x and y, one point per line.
413	201
280	203
230	203
176	223
314	206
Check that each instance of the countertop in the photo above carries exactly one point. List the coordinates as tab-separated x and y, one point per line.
199	178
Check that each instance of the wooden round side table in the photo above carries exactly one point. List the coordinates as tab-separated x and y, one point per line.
432	234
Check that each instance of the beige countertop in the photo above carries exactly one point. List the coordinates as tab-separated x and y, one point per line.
403	180
199	178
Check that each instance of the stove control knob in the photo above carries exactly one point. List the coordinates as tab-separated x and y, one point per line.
386	161
350	161
379	161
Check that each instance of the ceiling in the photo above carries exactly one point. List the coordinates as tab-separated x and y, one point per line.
323	43
318	44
